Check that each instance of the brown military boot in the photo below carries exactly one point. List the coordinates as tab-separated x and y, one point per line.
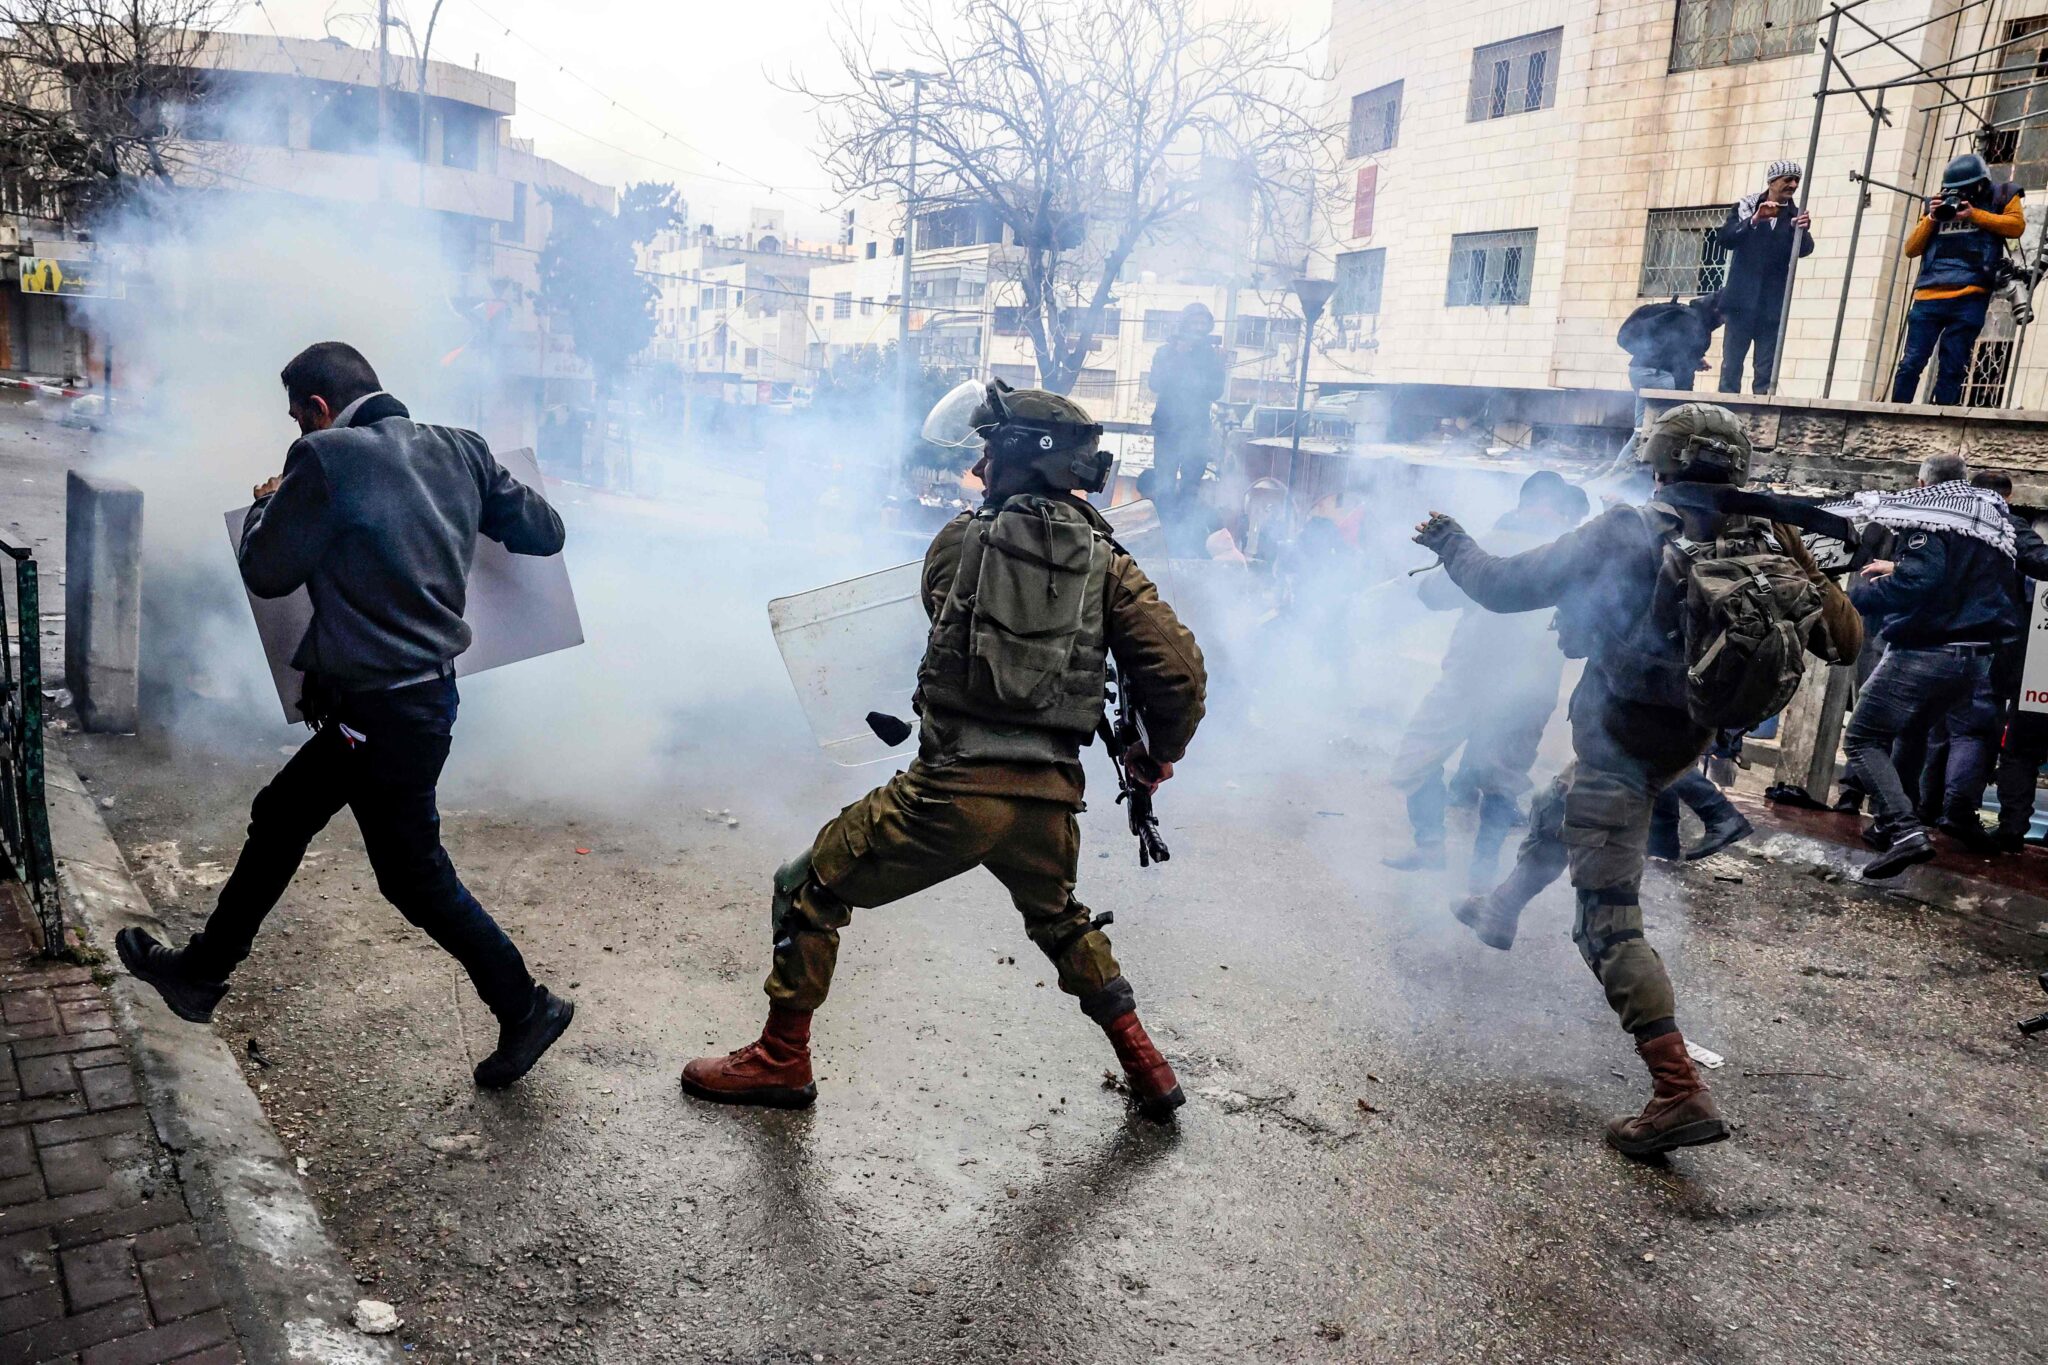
774	1070
1680	1113
1153	1083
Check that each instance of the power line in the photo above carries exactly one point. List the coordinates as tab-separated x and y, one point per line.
562	68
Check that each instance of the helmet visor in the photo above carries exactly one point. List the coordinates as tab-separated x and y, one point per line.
951	420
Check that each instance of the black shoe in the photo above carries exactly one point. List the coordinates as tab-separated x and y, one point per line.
164	968
520	1045
1727	827
1906	850
1873	837
1849	803
1421	858
2010	840
1969	831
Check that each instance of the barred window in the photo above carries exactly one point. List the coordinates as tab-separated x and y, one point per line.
842	304
1681	254
2018	140
1375	120
1159	323
1490	269
1730	32
1359	276
1514	77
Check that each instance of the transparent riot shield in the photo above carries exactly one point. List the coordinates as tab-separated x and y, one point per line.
852	648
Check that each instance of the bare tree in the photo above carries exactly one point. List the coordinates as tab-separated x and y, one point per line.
89	96
1089	128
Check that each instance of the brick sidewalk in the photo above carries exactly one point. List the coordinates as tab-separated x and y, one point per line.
99	1261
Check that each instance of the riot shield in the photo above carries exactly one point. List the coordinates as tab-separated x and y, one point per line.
853	647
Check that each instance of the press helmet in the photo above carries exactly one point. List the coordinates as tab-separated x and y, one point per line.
1046	432
1965	172
1698	443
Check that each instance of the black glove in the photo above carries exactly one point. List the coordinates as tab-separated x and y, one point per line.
1435	533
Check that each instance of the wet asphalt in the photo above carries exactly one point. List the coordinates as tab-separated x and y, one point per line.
1391	1149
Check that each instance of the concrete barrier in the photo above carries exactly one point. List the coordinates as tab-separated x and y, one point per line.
103	600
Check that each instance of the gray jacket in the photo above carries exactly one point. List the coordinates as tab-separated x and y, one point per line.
378	521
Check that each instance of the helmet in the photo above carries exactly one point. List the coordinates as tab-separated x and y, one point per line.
1048	433
1965	171
1697	442
1197	318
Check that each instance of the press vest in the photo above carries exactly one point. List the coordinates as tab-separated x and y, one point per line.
1963	255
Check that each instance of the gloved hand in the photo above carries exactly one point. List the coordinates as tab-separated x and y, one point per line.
1434	534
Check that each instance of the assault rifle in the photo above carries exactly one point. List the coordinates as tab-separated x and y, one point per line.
1119	734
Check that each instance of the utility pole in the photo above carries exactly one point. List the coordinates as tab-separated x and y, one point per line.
383	88
905	372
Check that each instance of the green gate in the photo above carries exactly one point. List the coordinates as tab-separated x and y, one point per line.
24	813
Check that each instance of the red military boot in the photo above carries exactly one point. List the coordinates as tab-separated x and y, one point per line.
774	1070
1153	1083
1680	1113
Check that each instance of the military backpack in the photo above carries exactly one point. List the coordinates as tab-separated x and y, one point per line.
1743	612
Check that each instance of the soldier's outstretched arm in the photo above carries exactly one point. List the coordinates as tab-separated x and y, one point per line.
1535	578
1157	659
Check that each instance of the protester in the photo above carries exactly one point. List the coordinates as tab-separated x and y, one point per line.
1493	699
1759	239
1960	243
1187	376
1947	609
1667	346
377	518
2025	746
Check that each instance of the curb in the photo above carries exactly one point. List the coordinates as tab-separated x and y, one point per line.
1933	887
289	1291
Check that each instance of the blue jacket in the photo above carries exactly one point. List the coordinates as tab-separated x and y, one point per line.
1947	588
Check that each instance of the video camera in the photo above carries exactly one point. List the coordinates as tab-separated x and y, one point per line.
2014	281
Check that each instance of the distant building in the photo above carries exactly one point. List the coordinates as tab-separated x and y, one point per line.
300	117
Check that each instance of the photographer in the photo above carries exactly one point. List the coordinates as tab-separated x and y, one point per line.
1960	244
1757	238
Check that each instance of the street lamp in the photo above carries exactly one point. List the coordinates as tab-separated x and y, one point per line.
915	79
1314	296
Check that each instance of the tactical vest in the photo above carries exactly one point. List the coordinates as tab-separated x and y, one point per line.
1963	255
1020	641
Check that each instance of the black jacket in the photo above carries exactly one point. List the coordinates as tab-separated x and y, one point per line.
1945	588
378	521
1668	336
1758	258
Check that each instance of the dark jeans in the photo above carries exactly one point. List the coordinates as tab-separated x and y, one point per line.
1690	788
1740	333
1950	325
2019	770
386	778
1910	689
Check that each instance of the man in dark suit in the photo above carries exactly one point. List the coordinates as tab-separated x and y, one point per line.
377	518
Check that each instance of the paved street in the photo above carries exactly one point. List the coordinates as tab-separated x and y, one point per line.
1391	1149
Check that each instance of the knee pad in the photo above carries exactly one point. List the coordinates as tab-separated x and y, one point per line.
1606	918
789	879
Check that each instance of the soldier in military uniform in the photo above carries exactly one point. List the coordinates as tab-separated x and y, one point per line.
1632	735
1029	598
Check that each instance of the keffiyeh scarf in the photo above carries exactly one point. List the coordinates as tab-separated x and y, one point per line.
1954	506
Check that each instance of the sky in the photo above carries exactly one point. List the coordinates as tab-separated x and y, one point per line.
624	90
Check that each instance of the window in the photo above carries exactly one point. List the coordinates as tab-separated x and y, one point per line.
1514	77
461	135
1016	376
867	307
1359	274
2018	139
871	250
1252	332
515	231
1009	320
1681	254
1159	323
1094	386
842	304
818	313
896	247
1730	32
1375	120
753	357
1363	200
1490	269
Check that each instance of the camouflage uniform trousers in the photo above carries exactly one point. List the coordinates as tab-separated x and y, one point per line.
906	836
1595	820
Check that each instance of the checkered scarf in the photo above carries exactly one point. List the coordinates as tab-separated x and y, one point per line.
1954	506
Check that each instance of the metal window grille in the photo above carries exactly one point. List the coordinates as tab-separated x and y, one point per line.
1990	373
1490	269
1514	77
2018	138
1159	323
1729	32
1375	120
842	305
1681	254
25	850
1359	277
